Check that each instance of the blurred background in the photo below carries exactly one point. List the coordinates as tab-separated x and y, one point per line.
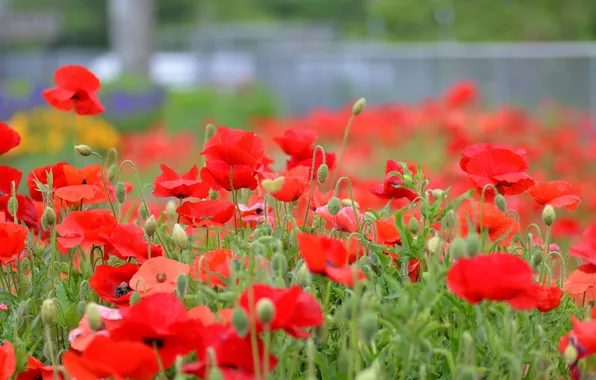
177	64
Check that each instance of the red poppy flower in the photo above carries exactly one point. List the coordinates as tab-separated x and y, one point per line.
107	358
8	175
582	336
297	142
461	94
207	317
171	184
554	193
494	277
218	173
159	321
235	147
111	283
295	309
211	267
128	240
12	241
82	185
158	275
295	183
41	175
206	213
392	187
36	370
85	228
307	161
505	168
9	138
232	353
80	337
328	257
8	363
344	221
499	225
255	214
586	250
76	88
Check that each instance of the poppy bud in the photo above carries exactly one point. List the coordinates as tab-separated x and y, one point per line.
279	263
120	192
143	211
322	173
171	209
358	106
334	206
24	284
94	316
472	245
536	259
48	312
450	219
265	310
434	244
83	150
150	226
48	218
414	226
425	276
347	202
135	298
181	285
272	186
368	327
240	322
111	157
548	215
501	203
303	276
458	248
570	354
180	237
13	206
437	193
112	171
213	194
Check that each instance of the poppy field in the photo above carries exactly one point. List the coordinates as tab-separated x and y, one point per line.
439	240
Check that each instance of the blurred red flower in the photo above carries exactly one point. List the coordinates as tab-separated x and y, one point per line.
206	213
295	309
235	147
555	193
171	184
9	138
220	174
41	174
12	241
392	187
111	283
461	94
85	228
297	142
128	240
8	363
36	370
488	216
76	88
211	267
295	183
586	250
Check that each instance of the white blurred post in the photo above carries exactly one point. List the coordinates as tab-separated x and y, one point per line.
131	34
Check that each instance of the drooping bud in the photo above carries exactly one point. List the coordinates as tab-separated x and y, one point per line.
94	316
358	106
180	237
414	226
322	173
83	150
434	244
111	157
303	277
458	248
536	259
48	312
472	245
265	310
24	283
548	215
213	194
48	218
171	209
112	171
240	322
368	326
135	298
347	202
369	216
181	285
150	226
120	192
334	206
501	203
437	193
273	185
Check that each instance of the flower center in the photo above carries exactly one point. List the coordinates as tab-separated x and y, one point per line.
161	277
122	290
154	342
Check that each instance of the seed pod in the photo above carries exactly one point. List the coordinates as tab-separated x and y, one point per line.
358	106
120	192
322	173
334	206
83	150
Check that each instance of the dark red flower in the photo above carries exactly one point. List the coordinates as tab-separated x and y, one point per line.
171	184
8	363
555	193
218	174
85	228
297	142
232	353
504	168
111	283
206	213
76	88
106	358
235	147
295	309
41	175
329	257
9	138
128	240
392	187
36	370
159	321
586	250
493	277
12	241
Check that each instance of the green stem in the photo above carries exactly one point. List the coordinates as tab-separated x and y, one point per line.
311	180
343	147
105	186
253	332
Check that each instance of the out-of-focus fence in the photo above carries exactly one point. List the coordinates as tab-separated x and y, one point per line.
310	67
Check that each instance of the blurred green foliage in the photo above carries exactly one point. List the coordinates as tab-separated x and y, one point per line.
406	20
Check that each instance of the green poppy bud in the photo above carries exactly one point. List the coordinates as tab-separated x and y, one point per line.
458	248
240	322
548	215
501	203
48	312
334	206
120	192
322	173
83	150
358	106
265	310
